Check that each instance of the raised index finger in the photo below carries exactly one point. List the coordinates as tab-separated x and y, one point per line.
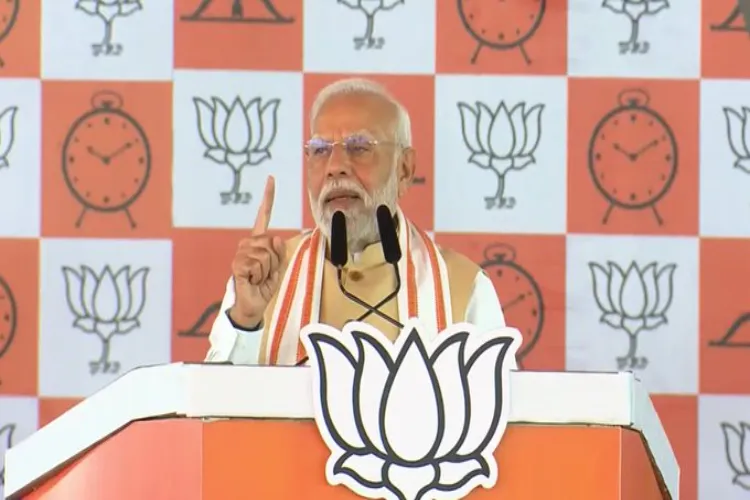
266	205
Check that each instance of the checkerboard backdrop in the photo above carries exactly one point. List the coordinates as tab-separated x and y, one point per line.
593	157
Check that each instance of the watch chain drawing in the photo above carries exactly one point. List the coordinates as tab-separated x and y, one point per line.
8	319
736	439
738	136
105	304
737	335
635	10
7	134
6	442
633	300
237	135
236	11
201	328
740	12
369	8
501	141
518	292
501	26
8	17
632	157
108	11
106	159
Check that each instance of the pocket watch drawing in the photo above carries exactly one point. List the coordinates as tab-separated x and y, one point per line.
632	156
504	25
8	317
202	326
106	158
8	17
519	295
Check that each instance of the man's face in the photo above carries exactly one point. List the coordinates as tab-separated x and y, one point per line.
362	169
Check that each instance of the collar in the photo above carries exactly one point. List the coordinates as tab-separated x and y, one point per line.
371	256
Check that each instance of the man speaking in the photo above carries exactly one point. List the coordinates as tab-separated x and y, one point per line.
359	163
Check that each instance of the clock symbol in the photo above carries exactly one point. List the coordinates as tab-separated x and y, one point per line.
501	25
8	17
8	317
202	326
106	158
632	156
519	295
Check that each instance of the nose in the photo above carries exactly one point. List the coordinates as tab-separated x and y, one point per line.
338	164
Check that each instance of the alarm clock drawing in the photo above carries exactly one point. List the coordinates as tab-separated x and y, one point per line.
519	295
504	25
8	317
632	157
8	16
106	159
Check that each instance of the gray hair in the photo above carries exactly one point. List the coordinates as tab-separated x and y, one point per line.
364	86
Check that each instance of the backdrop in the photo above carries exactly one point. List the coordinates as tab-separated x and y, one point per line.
593	157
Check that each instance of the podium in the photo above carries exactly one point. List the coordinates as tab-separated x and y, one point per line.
221	432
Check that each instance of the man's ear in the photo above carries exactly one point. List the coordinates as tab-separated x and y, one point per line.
407	168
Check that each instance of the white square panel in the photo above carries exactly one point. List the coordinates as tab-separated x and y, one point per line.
19	418
370	36
20	157
231	131
724	454
632	304
92	39
725	158
634	38
106	308
500	154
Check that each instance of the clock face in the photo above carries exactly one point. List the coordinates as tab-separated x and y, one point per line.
520	299
7	317
106	160
633	158
8	15
501	24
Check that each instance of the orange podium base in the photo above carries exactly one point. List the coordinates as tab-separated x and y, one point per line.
285	460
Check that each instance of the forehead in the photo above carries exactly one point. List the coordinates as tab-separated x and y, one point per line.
350	113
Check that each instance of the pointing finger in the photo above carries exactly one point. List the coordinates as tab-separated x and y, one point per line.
266	205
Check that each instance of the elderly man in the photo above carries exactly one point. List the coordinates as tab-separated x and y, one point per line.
359	156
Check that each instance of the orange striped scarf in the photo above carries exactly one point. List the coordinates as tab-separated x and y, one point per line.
426	293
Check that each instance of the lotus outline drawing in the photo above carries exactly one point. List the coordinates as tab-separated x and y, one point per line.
633	300
501	141
370	8
237	135
411	420
736	441
6	441
106	304
738	135
7	134
108	11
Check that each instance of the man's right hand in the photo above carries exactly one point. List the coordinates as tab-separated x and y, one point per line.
257	267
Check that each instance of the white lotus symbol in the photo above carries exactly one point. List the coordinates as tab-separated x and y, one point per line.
406	421
7	134
738	132
633	301
737	447
106	304
501	140
237	135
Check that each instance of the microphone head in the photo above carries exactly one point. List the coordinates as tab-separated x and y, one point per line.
339	250
388	235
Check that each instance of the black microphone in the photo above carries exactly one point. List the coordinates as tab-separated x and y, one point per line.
340	256
391	253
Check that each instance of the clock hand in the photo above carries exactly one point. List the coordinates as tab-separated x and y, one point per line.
119	151
516	300
645	148
94	152
619	149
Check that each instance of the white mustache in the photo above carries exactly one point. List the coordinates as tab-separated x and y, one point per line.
344	184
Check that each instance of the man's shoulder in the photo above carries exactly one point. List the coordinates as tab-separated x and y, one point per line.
459	264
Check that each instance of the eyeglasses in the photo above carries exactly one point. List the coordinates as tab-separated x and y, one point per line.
357	148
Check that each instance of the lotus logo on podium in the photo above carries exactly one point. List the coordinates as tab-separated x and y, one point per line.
411	420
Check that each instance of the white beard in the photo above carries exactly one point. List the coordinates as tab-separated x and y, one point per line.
361	222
